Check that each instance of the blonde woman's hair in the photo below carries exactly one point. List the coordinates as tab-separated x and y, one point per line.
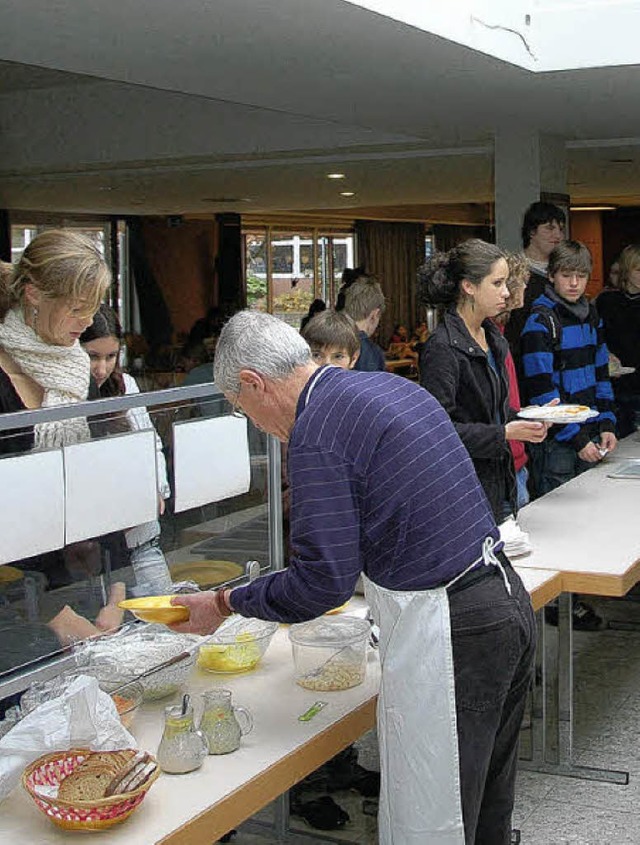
363	297
629	260
62	265
519	271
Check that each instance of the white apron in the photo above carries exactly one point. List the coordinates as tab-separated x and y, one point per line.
420	775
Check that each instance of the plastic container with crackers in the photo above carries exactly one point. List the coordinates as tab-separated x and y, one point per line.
330	653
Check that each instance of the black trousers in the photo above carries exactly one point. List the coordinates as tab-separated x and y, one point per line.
494	640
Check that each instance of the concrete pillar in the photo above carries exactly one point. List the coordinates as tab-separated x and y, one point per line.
526	164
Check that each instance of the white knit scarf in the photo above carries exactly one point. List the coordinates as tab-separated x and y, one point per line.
62	371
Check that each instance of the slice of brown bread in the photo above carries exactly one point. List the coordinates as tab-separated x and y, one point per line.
89	780
84	786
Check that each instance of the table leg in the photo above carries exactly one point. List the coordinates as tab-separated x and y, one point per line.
563	706
539	703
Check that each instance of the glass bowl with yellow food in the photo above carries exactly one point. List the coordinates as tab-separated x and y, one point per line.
237	647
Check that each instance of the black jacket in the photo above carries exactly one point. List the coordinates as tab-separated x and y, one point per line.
513	331
455	370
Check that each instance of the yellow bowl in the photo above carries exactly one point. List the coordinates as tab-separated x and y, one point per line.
156	609
338	609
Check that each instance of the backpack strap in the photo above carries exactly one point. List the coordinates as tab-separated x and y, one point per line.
553	324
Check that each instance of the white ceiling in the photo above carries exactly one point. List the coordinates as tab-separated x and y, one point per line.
152	106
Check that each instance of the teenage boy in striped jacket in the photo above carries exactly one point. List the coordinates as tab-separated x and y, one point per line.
564	357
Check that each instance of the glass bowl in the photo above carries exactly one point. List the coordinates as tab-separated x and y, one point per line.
127	655
238	647
330	653
127	696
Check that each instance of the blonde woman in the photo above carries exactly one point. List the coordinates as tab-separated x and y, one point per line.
47	300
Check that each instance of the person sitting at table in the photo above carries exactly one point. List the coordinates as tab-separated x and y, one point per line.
463	364
382	486
565	357
620	312
364	302
102	341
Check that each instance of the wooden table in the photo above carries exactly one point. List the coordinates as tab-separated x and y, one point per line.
587	529
543	585
198	808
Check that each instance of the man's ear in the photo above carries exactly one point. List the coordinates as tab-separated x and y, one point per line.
251	380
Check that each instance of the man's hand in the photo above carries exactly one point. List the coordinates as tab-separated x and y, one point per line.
207	613
590	453
608	441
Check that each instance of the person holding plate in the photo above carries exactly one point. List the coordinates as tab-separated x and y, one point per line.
565	357
463	364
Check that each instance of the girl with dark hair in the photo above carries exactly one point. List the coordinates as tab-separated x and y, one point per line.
102	341
463	364
316	307
349	276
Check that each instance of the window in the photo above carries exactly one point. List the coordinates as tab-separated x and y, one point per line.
285	270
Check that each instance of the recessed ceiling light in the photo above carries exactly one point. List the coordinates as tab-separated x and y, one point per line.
593	208
221	200
347	193
335	176
105	188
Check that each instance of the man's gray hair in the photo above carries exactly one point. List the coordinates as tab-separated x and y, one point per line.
252	340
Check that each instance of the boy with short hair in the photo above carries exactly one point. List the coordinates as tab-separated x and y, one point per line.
333	338
564	356
364	302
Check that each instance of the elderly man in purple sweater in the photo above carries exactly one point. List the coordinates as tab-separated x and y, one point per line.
382	486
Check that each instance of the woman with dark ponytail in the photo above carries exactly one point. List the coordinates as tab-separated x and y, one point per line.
463	364
102	341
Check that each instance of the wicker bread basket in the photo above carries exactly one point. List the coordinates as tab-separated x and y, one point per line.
51	769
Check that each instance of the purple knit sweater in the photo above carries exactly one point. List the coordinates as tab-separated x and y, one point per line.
380	484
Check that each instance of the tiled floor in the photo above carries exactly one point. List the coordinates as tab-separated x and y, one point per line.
552	810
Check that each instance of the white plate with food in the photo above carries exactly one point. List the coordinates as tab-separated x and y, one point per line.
558	414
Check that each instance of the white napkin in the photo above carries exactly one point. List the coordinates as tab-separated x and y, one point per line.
516	541
82	717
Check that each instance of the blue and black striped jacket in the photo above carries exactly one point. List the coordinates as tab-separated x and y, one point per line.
566	358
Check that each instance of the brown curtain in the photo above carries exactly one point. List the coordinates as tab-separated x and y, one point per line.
392	252
446	236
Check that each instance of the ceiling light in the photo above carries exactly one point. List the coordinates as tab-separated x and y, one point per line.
335	176
593	208
347	193
221	200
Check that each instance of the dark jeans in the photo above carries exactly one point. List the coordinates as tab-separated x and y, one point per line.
553	464
494	639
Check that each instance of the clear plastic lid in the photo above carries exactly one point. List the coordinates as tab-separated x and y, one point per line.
241	626
327	632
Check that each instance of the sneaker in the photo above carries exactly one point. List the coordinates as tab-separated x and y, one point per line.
584	617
